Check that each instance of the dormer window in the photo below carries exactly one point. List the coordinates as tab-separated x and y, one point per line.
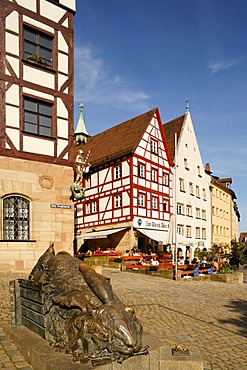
117	172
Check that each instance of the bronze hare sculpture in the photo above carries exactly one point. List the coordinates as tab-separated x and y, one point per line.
83	315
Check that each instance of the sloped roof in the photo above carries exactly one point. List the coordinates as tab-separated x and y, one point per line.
170	128
118	141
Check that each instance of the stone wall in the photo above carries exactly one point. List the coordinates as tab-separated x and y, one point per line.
46	186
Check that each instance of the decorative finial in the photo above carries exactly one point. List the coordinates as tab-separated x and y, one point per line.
187	105
81	106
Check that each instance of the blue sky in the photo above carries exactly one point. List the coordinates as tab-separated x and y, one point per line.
135	55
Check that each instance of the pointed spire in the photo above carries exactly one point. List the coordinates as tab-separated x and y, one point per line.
80	133
187	105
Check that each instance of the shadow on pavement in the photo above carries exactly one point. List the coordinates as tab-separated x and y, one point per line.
239	306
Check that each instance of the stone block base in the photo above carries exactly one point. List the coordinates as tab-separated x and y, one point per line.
41	356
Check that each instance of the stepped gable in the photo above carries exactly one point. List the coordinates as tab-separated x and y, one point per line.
117	142
170	128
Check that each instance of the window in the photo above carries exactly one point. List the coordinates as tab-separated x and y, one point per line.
180	230
154	146
203	233
141	170
197	232
188	231
197	191
88	209
88	182
154	203
180	209
154	175
166	205
188	211
117	172
186	166
141	200
181	184
191	188
37	117
199	171
94	206
204	194
203	214
37	47
117	201
15	218
198	213
165	179
213	211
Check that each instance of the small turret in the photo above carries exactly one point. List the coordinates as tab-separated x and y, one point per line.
80	133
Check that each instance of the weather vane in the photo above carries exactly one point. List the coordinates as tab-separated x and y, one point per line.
187	105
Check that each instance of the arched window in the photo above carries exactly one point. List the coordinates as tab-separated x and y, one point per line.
15	218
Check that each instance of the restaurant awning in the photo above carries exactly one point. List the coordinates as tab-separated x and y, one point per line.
158	235
100	234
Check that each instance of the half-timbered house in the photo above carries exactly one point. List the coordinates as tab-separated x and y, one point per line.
36	129
128	186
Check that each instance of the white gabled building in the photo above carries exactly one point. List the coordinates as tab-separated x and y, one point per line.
128	187
192	195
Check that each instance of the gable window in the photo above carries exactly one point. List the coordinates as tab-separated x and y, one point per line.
180	209
117	172
117	201
154	146
186	166
141	200
154	203
188	211
16	218
180	229
37	117
188	231
199	171
165	179
141	170
94	206
204	193
197	191
37	47
88	209
166	205
191	188
154	175
181	184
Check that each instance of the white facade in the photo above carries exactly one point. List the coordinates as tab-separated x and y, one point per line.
193	216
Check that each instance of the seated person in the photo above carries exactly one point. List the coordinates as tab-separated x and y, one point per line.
204	262
154	261
181	261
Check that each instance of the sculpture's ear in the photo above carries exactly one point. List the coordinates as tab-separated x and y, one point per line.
51	249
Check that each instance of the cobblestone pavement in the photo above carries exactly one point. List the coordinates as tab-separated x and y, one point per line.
210	315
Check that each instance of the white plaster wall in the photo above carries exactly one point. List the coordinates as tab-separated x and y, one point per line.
12	95
12	116
12	22
63	63
38	24
62	128
71	4
12	43
39	146
61	144
51	11
14	62
62	44
38	94
61	109
39	77
14	137
28	4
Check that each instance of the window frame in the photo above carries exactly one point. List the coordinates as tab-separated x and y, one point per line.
37	56
117	170
117	201
154	174
154	146
20	215
141	168
39	115
154	203
141	200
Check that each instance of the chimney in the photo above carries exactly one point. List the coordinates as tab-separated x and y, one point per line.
207	169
